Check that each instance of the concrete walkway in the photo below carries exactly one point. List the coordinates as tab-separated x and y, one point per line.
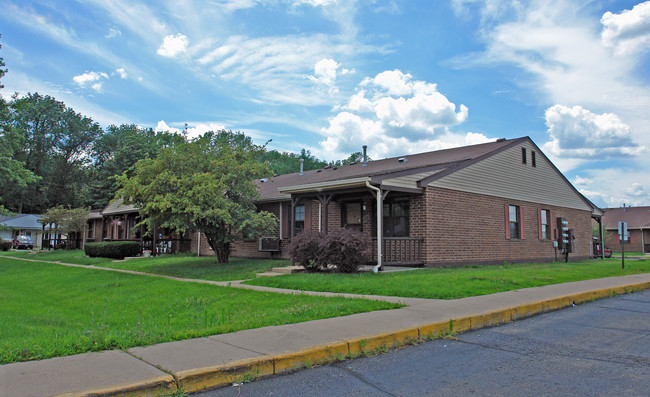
195	364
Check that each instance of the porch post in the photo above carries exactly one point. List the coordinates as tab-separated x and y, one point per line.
602	238
324	201
379	195
153	242
292	232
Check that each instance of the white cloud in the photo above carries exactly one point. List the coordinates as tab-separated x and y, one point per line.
316	3
628	31
394	114
576	132
613	187
192	132
91	78
635	190
325	72
121	72
173	45
113	32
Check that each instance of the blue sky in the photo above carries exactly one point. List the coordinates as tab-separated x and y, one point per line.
401	76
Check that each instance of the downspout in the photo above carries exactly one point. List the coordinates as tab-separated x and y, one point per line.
602	239
380	206
198	248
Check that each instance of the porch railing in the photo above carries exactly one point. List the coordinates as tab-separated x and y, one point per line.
399	251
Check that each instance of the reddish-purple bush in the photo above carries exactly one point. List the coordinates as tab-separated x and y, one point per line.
346	249
305	249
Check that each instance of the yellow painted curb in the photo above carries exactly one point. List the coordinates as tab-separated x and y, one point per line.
154	387
318	355
222	375
390	339
490	319
433	330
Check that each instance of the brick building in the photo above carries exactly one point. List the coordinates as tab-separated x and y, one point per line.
489	203
638	225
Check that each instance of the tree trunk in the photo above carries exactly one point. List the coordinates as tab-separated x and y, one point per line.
220	247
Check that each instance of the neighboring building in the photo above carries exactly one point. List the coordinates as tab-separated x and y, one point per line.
489	203
119	222
24	225
638	226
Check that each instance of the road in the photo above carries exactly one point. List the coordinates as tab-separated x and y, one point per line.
599	348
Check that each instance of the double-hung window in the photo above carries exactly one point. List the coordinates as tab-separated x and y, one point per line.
299	223
545	224
514	221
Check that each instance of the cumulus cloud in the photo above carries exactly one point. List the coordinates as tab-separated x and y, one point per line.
577	132
628	31
325	72
394	114
90	78
173	45
635	190
121	72
316	3
615	186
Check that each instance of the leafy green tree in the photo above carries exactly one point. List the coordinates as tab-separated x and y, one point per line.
54	143
66	220
288	163
205	185
12	172
116	152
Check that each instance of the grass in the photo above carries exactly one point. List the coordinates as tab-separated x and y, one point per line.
633	253
454	283
48	310
179	265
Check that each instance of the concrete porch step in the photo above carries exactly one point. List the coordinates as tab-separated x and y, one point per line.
288	269
279	271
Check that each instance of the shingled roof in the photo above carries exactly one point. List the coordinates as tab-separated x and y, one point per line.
441	160
636	217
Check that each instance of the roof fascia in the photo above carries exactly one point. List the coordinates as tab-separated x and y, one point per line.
320	186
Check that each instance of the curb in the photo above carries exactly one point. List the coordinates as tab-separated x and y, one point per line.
246	370
249	369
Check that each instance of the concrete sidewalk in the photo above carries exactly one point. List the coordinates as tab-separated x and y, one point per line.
195	364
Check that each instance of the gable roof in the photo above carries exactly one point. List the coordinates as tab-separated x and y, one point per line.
279	187
22	221
415	173
118	207
636	217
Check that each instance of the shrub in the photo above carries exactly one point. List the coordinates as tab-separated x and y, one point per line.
5	245
113	249
346	249
305	249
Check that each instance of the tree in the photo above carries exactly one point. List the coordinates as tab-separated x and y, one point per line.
66	220
12	172
205	185
287	163
116	152
54	146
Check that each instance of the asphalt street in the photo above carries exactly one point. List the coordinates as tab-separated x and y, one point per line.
599	348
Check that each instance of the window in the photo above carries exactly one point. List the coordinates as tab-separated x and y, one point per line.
396	218
352	216
545	224
523	155
533	161
514	222
300	219
91	229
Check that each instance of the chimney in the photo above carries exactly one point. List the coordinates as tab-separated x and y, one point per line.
365	157
302	162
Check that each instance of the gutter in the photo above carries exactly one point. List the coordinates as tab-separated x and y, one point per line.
380	226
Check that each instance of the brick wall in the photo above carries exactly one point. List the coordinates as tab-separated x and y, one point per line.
634	244
463	227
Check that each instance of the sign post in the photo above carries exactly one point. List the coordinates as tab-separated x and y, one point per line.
622	235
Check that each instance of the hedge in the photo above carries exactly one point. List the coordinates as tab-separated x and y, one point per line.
5	245
113	249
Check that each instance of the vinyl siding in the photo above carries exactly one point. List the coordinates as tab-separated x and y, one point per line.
409	181
504	175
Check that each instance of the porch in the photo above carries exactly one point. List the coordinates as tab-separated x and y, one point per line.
399	251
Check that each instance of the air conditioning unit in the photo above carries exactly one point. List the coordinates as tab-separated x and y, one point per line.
269	244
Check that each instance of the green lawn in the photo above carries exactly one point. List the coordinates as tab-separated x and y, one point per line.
180	265
454	283
48	310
